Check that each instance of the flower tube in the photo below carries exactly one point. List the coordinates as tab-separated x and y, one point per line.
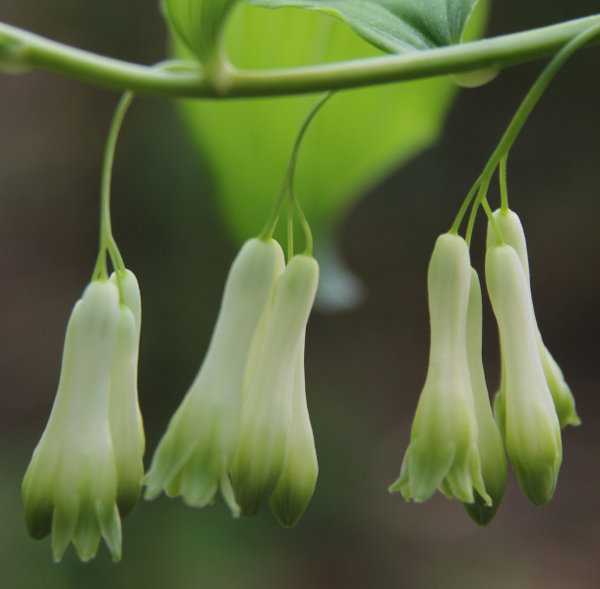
532	429
510	228
70	487
267	409
443	452
127	429
194	455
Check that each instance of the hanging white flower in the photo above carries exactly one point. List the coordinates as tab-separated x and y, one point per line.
510	227
194	455
532	429
70	487
443	452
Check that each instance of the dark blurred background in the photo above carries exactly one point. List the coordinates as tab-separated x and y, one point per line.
364	368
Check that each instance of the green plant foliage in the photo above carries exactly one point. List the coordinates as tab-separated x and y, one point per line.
358	137
395	26
198	23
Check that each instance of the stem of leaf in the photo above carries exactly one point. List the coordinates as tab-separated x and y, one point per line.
21	50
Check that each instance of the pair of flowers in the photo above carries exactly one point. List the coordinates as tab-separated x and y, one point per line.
85	471
243	425
456	444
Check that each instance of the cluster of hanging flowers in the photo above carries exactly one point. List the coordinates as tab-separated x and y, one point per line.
457	446
85	471
243	426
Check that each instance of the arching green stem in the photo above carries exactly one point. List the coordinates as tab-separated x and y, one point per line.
523	112
288	180
21	50
308	250
490	215
107	241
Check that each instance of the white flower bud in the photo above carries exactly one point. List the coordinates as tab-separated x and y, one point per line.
510	227
267	408
532	430
127	429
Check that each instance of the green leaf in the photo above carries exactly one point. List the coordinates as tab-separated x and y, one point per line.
395	26
355	140
198	23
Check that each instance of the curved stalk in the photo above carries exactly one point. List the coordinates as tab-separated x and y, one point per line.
21	50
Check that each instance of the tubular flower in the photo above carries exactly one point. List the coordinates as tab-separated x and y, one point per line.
194	455
512	233
70	487
532	429
267	431
300	469
126	426
443	452
489	440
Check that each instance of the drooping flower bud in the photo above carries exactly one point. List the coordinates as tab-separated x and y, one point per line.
194	455
300	470
532	429
489	440
70	487
443	452
267	408
510	227
127	429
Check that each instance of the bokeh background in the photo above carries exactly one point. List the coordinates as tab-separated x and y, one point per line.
364	368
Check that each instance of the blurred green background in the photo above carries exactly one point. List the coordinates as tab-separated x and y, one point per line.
364	368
